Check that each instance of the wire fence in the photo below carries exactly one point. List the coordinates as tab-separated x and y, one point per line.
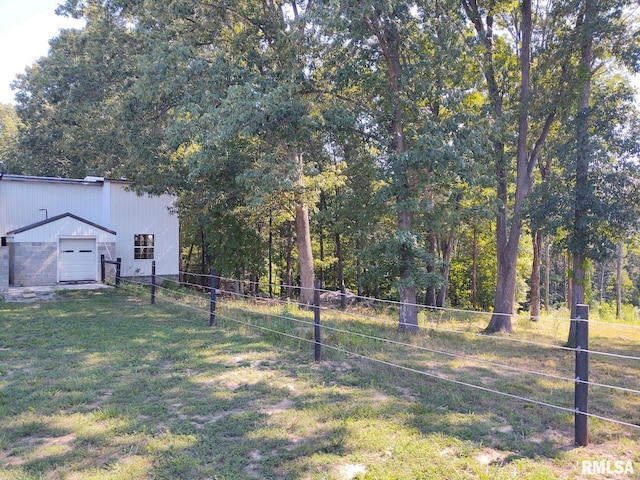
450	347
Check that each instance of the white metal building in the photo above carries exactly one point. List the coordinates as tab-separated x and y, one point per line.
54	230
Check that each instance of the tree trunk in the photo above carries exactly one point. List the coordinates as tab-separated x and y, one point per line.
323	208
359	269
534	310
505	293
474	269
305	255
408	321
508	226
582	166
547	276
270	255
619	261
340	272
288	276
389	41
430	296
504	305
204	258
187	266
602	269
447	248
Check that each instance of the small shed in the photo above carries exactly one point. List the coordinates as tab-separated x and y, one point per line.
64	248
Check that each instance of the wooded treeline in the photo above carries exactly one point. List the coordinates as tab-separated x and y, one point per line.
479	154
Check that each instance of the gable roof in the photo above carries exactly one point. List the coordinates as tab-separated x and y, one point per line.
55	219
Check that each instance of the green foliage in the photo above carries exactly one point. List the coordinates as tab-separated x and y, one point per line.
9	149
366	112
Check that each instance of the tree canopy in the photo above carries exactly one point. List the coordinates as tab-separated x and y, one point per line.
402	147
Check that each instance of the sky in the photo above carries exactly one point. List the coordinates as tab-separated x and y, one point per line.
25	29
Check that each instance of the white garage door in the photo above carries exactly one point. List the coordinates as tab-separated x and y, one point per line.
77	260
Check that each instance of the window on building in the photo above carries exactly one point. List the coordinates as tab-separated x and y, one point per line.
143	246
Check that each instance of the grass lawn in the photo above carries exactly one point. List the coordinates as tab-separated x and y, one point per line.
101	385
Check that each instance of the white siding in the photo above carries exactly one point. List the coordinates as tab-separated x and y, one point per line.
151	214
107	204
64	227
21	201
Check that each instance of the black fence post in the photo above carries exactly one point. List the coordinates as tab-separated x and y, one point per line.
316	321
118	271
212	305
153	282
582	375
102	269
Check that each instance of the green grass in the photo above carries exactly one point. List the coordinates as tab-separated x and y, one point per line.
102	385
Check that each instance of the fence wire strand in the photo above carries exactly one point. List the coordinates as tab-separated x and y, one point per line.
432	375
429	324
272	301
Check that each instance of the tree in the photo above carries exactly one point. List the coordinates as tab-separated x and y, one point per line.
9	127
546	43
70	100
398	63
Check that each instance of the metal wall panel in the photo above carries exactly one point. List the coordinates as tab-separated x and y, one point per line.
151	215
23	203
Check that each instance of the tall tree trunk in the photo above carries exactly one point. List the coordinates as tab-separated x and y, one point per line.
430	296
602	271
270	255
323	208
474	269
505	291
288	276
188	260
547	276
305	254
582	165
619	261
359	268
504	305
389	41
534	310
408	299
508	225
203	248
447	247
340	271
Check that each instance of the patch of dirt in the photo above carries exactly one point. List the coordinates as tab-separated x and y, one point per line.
378	396
349	471
252	470
199	421
489	456
30	444
407	394
554	436
282	406
98	401
505	429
